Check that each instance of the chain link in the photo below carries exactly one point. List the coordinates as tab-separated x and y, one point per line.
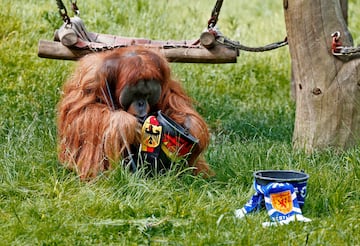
343	52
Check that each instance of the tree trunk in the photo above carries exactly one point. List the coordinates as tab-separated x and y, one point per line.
344	8
327	90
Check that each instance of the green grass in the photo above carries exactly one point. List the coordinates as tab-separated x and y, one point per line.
248	108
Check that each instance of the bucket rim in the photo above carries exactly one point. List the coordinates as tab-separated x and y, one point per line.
177	129
304	175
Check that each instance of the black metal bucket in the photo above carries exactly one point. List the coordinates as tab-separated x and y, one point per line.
297	179
176	142
170	127
170	142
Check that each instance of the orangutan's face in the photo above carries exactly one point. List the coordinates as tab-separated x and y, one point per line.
140	98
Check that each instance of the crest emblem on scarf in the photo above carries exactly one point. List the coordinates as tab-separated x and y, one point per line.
282	201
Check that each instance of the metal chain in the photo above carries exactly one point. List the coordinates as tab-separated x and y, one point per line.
237	45
215	14
74	7
343	52
211	28
63	12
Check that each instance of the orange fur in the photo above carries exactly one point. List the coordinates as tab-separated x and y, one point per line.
93	136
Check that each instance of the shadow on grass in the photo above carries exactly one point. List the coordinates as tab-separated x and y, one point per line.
253	125
248	140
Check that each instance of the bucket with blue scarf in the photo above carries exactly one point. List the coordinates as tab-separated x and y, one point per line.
281	192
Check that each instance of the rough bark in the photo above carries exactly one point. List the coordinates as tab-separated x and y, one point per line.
327	90
344	8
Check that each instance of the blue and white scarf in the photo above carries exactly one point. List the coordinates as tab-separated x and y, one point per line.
282	201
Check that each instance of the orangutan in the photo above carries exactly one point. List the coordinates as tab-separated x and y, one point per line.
105	102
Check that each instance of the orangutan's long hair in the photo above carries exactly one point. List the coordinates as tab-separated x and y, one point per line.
95	131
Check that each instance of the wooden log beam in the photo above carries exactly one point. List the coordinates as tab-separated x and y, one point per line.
217	54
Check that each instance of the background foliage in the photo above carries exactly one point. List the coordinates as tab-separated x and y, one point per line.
247	106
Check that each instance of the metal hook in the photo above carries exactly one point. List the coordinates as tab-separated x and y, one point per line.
336	35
